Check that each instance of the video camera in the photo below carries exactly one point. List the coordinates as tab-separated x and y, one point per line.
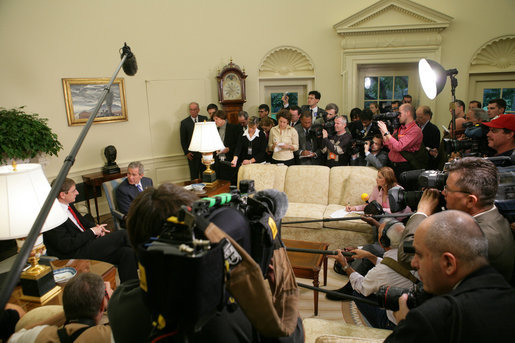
474	144
414	181
315	132
329	125
187	271
357	145
391	119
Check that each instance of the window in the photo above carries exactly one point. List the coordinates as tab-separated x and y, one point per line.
508	94
383	90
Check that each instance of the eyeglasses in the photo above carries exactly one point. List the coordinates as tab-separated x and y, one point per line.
448	190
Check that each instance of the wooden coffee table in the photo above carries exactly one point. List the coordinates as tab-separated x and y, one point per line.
211	189
104	269
307	265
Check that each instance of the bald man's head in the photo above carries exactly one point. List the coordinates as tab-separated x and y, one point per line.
449	246
458	233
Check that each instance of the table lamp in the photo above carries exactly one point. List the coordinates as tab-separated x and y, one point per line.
206	140
23	190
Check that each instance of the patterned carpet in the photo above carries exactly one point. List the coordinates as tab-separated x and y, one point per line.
327	309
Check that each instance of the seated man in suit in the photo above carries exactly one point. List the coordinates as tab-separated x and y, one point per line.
131	186
79	238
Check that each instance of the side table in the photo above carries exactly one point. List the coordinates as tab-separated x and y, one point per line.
104	269
96	179
307	265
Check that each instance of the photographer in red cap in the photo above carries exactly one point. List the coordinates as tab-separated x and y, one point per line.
501	136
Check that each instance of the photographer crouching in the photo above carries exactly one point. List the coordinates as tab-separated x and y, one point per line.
132	313
473	303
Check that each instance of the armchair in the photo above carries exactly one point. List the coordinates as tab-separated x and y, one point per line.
110	192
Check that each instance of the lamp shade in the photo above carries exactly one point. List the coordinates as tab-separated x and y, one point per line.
432	77
22	194
206	138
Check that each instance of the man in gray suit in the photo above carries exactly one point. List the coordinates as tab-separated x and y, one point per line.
309	152
471	187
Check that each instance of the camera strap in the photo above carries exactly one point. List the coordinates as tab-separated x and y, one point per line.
396	266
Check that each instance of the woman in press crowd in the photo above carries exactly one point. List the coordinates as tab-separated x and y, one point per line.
374	108
283	140
251	147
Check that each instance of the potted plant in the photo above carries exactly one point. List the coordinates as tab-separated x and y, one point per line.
24	135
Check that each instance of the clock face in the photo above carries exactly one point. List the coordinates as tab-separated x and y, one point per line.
231	87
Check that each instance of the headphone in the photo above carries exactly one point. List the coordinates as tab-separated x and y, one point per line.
385	240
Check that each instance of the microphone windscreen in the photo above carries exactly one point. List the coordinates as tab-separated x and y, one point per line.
278	199
130	67
364	197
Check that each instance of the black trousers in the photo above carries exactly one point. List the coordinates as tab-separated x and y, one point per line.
196	166
113	248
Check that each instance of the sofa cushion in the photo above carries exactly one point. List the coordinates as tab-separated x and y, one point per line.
307	184
349	182
265	176
301	211
352	225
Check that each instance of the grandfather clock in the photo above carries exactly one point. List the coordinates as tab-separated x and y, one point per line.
231	90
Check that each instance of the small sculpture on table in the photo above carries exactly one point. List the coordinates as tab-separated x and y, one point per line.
110	167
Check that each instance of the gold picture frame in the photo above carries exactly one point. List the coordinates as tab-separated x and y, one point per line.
81	95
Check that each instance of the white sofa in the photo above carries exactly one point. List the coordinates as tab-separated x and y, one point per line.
314	193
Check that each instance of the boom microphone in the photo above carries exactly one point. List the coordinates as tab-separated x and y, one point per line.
130	67
276	201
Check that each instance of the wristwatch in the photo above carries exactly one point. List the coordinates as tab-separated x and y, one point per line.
345	267
386	133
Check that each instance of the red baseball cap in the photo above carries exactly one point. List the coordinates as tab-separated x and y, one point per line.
505	121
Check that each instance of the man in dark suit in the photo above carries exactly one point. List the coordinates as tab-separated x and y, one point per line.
310	147
312	106
187	126
430	132
79	238
295	115
131	186
451	259
229	133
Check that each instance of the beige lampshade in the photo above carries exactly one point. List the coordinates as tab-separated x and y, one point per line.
22	194
206	138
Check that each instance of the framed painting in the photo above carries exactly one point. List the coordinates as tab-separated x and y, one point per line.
82	95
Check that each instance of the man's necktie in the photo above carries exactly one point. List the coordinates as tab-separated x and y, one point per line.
138	186
76	218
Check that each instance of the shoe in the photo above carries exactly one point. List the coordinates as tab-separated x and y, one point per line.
347	289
